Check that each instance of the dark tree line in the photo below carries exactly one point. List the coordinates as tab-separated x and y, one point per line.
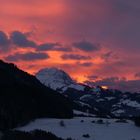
137	121
33	135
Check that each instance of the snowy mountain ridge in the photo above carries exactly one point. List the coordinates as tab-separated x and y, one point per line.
57	79
54	78
101	101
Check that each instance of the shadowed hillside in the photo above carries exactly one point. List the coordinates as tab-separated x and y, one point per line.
23	98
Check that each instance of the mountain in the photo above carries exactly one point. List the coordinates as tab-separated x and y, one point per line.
23	98
99	101
114	102
57	79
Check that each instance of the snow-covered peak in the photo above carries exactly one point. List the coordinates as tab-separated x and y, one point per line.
54	78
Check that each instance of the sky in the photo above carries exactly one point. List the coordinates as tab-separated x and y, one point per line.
90	39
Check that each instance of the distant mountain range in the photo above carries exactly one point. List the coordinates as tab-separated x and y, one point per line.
96	100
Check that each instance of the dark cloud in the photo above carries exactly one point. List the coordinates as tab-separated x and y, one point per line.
86	46
109	80
27	56
111	56
20	39
107	55
92	77
75	57
47	46
4	41
62	49
15	38
118	83
53	47
85	64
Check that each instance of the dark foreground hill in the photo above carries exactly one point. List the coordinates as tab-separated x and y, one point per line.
23	98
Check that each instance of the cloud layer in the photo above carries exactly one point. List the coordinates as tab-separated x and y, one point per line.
30	56
118	83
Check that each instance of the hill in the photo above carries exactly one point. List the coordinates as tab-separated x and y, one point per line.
23	98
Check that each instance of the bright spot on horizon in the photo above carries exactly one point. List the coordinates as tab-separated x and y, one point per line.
104	87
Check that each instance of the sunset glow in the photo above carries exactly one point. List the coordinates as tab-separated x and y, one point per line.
84	38
105	87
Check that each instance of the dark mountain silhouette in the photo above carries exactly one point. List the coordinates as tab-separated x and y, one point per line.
23	98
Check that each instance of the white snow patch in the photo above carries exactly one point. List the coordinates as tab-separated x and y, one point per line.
130	103
119	111
110	98
77	112
77	87
100	100
85	96
83	104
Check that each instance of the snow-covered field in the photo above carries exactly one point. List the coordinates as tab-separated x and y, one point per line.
75	129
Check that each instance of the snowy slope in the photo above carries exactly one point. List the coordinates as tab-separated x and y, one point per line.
54	78
130	103
76	129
